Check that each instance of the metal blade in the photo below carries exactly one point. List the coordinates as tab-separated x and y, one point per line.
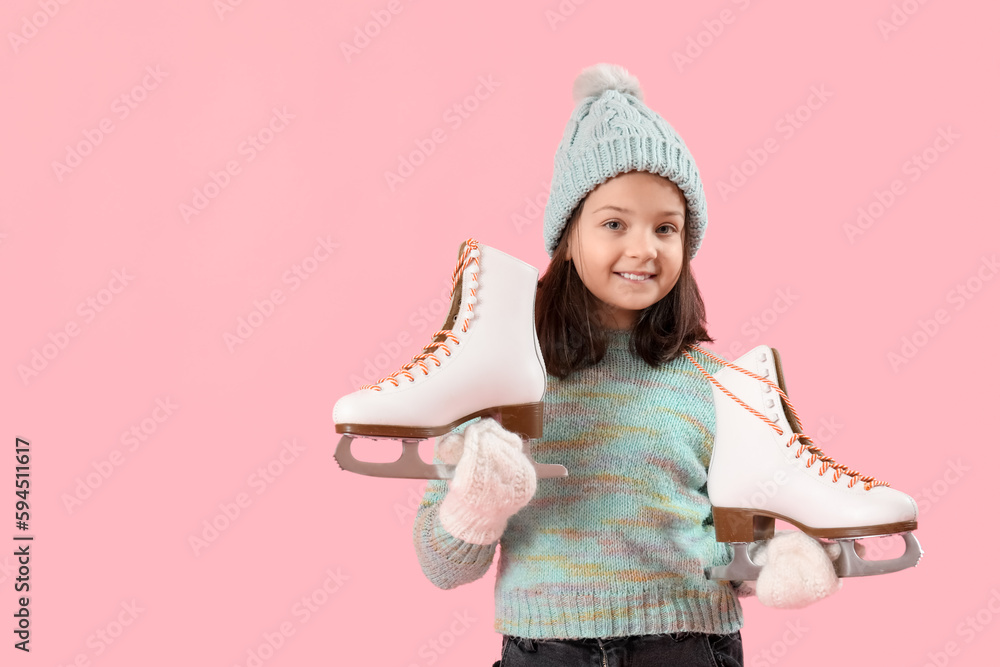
741	568
409	465
850	564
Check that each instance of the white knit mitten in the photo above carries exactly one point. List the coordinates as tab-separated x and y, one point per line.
493	480
796	570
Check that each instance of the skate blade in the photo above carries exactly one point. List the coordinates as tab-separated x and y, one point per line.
741	568
851	564
409	465
848	564
543	470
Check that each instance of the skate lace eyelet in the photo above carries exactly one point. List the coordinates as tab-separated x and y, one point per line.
441	339
805	444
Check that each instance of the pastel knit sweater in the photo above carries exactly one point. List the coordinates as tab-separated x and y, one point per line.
620	546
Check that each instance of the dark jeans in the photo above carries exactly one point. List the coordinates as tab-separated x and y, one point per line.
686	649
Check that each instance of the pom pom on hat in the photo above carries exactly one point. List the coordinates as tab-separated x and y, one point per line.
610	132
594	80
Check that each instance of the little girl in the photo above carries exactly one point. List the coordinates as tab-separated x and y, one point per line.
611	560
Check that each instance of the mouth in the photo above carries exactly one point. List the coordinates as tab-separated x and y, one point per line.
636	277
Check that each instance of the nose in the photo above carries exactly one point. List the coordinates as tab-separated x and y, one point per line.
641	244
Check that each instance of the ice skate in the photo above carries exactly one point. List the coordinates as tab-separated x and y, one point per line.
484	362
763	468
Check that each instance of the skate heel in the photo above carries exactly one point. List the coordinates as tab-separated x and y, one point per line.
524	419
741	525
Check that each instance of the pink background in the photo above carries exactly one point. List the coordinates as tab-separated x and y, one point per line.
80	81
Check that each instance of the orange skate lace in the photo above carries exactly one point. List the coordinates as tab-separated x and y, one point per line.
464	260
805	445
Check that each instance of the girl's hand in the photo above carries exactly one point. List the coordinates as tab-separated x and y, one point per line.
493	480
796	571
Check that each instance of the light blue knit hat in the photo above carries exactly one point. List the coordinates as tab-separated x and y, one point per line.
612	132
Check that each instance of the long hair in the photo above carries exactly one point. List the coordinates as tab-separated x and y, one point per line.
568	317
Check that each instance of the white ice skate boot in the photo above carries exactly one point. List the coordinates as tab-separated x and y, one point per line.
485	361
763	468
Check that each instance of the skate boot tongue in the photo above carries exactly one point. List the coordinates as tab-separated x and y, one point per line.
797	436
468	255
807	445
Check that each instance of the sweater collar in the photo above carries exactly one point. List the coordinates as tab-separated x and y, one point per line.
618	338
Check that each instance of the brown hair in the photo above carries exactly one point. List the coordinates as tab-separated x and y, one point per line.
572	335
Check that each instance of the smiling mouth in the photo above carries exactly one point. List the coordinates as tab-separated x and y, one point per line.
636	277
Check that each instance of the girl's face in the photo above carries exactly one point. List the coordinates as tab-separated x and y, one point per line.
628	245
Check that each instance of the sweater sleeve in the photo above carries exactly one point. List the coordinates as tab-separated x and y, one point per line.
447	561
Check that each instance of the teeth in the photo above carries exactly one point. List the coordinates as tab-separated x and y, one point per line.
633	276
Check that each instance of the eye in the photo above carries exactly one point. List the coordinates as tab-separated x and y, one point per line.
613	225
667	228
